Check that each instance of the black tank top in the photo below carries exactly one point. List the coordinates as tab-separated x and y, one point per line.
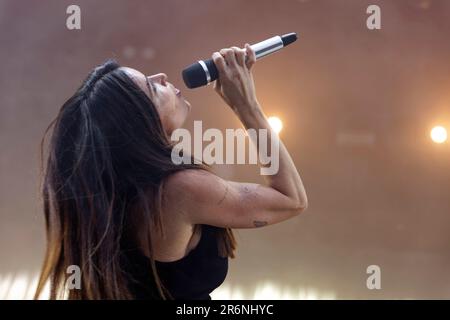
193	277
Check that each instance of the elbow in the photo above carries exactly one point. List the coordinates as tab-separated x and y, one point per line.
302	202
301	207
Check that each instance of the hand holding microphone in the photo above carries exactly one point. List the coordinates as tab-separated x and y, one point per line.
235	83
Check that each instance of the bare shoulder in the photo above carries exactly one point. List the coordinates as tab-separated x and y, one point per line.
204	198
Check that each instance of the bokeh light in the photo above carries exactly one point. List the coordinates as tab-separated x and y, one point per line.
276	124
438	134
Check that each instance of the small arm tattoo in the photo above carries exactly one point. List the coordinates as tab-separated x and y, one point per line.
245	189
248	192
260	223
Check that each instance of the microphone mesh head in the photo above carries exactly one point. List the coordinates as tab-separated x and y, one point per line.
194	76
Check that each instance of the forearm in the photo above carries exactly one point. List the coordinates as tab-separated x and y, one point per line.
287	179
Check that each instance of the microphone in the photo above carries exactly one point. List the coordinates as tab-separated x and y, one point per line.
204	71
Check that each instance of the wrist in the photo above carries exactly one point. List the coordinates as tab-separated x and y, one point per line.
248	109
251	116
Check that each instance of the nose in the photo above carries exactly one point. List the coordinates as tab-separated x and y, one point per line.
159	77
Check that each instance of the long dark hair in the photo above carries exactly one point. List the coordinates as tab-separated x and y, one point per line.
108	158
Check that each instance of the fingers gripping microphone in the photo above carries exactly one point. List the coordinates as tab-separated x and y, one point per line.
204	71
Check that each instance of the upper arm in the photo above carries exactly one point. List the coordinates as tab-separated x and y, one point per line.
204	198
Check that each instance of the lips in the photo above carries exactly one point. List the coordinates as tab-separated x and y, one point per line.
177	92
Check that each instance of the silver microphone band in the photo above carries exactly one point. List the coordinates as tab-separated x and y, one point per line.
205	68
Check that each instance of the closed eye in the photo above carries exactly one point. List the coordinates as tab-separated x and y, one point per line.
151	86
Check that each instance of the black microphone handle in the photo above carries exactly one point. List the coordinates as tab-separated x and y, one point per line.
200	73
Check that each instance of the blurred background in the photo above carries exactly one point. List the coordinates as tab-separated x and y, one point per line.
358	107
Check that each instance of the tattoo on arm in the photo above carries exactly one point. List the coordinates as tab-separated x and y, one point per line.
260	223
247	192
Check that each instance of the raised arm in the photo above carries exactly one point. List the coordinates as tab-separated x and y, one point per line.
208	199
